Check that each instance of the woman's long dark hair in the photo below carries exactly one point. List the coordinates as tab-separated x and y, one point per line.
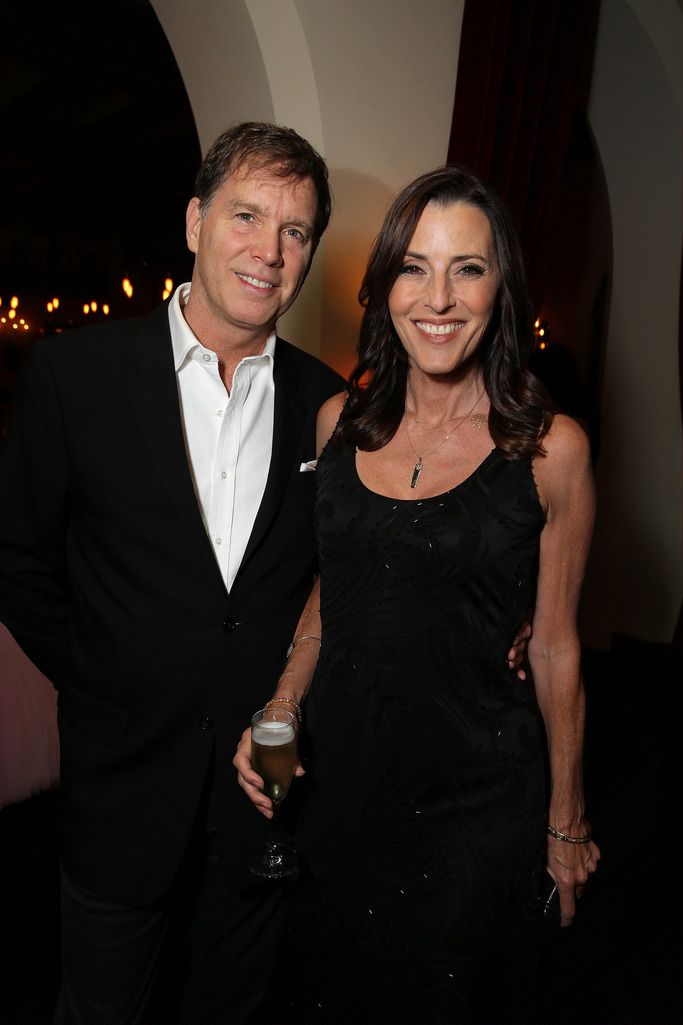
520	411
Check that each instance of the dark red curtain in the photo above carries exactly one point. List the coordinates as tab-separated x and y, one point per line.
524	76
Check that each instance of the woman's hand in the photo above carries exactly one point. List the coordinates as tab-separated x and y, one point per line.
250	781
571	866
517	651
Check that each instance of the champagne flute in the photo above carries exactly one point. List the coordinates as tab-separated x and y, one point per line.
273	756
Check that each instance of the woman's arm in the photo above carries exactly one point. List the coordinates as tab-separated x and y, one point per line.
296	677
565	486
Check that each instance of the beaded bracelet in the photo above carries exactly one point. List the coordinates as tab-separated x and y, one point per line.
570	839
287	701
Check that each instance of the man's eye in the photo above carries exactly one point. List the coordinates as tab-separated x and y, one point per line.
295	233
245	216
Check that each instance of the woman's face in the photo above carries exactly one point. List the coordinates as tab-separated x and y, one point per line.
445	293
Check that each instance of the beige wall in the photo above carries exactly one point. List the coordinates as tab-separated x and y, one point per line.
369	82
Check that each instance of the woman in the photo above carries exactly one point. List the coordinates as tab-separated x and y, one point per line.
450	502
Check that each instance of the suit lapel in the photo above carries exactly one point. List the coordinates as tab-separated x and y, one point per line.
289	416
153	393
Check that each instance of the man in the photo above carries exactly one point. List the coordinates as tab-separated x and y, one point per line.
156	551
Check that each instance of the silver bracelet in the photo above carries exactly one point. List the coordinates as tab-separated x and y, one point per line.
297	640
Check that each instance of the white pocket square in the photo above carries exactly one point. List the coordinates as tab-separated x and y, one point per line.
308	467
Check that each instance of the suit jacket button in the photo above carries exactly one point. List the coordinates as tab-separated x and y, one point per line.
229	625
205	723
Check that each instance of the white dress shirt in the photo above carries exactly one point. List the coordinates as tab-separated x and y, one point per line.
228	437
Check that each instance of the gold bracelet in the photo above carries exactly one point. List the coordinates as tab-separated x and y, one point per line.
570	839
305	637
288	701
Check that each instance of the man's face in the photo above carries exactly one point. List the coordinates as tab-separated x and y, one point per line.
253	246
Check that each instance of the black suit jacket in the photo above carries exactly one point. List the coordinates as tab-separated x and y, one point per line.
109	582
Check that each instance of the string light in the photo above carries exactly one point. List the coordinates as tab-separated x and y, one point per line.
105	309
12	313
14	302
55	303
86	307
50	307
127	287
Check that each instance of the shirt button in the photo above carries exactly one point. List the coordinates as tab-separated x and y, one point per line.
206	357
218	540
219	412
223	474
229	625
205	723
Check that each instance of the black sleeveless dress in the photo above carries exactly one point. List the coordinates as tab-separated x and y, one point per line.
423	826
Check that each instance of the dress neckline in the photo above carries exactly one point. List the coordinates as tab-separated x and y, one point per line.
428	498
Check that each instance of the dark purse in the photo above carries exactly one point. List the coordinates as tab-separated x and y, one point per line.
548	902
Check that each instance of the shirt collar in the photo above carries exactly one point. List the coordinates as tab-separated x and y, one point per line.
184	341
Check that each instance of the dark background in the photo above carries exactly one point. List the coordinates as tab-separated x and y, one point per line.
98	158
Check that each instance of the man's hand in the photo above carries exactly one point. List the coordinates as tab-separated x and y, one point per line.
517	652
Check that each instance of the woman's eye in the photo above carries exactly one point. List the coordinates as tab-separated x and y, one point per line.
471	270
410	268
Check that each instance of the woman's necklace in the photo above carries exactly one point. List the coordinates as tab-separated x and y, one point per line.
419	465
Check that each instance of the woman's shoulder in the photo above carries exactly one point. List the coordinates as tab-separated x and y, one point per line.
328	415
566	461
566	443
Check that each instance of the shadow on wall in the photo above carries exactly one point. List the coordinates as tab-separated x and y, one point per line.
360	203
641	586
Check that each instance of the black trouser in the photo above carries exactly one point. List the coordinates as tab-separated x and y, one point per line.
116	965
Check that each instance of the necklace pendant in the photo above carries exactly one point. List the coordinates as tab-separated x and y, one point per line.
416	473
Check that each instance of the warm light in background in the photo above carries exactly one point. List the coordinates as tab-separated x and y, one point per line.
127	287
542	333
15	326
55	303
105	309
93	307
14	302
21	320
168	288
25	327
12	313
86	307
49	307
3	320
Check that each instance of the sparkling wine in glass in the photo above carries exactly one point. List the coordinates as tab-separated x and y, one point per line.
273	756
